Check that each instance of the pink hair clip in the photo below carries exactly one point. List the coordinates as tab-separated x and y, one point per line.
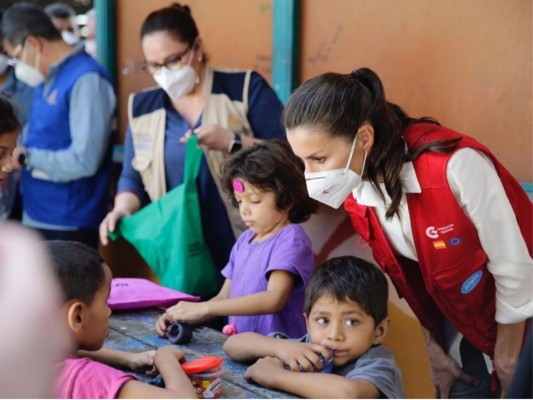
238	186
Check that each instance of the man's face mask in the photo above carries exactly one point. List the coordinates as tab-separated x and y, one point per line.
332	187
27	74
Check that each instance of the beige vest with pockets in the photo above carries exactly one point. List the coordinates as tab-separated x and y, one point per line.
148	134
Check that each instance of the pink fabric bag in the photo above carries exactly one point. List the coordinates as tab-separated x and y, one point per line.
131	293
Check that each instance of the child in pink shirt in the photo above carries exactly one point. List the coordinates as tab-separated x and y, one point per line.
86	282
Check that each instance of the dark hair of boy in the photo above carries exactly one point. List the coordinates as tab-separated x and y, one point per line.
78	267
8	120
352	278
271	166
22	20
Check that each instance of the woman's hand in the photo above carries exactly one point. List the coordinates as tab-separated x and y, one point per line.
126	203
507	351
445	371
211	137
110	223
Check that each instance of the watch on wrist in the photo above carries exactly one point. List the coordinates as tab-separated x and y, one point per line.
23	159
236	144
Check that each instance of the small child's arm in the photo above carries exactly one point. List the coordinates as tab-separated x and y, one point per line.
250	346
270	372
177	384
141	361
270	301
189	312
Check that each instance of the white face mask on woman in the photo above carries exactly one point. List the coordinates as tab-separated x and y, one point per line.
177	82
27	74
332	187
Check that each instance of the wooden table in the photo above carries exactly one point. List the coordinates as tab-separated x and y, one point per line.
135	331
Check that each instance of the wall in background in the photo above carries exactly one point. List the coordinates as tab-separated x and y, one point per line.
466	63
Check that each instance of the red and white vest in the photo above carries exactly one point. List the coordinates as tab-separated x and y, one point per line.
451	280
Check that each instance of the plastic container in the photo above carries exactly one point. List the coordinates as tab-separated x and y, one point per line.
205	374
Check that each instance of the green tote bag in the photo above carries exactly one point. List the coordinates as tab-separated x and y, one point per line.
168	234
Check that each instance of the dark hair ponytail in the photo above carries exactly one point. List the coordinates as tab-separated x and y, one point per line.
175	19
387	154
341	103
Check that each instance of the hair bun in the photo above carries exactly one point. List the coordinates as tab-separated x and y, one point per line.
181	7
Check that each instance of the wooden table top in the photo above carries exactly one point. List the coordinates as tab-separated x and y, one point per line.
135	331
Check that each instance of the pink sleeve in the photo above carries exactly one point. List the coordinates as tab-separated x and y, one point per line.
82	378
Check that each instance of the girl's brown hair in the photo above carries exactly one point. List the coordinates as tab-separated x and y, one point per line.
271	166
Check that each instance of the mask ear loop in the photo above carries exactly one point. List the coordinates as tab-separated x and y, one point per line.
24	52
364	163
196	77
37	61
351	154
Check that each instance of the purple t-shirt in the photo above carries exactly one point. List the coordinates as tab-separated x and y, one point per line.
83	378
249	268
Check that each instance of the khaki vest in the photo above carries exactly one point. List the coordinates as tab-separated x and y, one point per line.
148	134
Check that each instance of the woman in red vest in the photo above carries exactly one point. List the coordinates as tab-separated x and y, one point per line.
445	220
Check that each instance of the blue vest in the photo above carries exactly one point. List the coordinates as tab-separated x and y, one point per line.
80	203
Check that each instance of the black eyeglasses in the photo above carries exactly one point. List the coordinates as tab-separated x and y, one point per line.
173	61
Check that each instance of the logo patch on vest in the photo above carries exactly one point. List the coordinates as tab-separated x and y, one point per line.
52	98
471	282
433	232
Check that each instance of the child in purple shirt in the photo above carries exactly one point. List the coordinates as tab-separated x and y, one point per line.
272	261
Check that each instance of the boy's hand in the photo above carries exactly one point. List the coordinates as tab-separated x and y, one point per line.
264	371
143	361
163	353
189	312
302	356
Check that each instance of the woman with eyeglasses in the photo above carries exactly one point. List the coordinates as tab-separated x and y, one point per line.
444	218
227	110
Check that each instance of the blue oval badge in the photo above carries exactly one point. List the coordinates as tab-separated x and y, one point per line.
471	282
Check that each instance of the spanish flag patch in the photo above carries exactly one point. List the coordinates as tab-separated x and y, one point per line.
439	244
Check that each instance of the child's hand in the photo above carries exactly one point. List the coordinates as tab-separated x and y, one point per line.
302	356
264	370
162	354
162	324
189	312
143	361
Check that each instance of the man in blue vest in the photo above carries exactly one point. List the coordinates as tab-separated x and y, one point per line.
65	157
